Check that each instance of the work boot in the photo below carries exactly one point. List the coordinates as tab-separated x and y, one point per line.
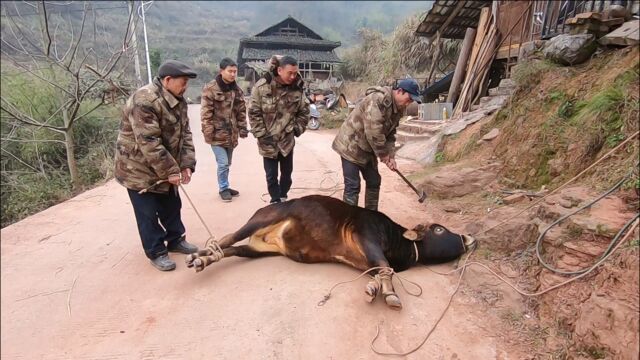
163	263
182	246
351	199
234	193
371	197
225	195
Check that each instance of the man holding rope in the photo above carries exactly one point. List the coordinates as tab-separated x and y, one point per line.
155	152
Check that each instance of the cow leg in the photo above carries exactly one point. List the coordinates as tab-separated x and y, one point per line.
372	288
376	258
247	251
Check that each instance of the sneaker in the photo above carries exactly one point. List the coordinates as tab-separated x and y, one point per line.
275	201
283	199
182	246
234	193
163	263
225	195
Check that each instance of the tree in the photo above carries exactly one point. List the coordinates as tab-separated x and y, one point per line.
62	57
154	58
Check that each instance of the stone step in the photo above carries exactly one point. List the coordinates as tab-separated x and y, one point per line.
414	128
425	122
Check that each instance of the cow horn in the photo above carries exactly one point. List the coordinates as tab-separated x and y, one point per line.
469	242
410	235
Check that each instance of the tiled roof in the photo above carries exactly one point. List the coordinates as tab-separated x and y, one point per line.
300	55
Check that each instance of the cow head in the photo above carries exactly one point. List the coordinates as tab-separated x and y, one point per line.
438	243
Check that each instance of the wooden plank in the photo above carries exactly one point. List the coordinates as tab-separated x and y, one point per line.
590	15
504	51
458	75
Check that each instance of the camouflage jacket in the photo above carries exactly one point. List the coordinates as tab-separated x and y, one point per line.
154	141
223	113
277	114
370	129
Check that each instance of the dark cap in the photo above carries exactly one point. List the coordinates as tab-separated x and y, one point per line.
411	86
175	68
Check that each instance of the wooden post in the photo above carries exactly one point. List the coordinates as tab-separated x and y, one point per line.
434	59
459	73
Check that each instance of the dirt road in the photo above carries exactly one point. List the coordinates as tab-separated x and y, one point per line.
76	284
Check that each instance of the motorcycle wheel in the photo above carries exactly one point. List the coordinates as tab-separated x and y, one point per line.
314	124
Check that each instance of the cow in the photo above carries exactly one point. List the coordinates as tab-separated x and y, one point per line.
317	228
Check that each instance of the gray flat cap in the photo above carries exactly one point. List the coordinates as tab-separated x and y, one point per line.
175	68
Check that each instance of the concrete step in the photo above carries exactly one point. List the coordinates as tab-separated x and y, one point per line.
403	137
415	128
500	91
507	83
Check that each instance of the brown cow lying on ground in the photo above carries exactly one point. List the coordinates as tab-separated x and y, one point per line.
319	228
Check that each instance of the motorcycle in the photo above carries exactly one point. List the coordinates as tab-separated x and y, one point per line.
314	121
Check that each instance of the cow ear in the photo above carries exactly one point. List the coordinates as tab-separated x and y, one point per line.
410	235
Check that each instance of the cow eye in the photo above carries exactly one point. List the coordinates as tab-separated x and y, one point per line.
438	230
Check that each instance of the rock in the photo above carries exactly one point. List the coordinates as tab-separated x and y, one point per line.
565	203
452	208
491	134
452	181
512	199
556	167
570	49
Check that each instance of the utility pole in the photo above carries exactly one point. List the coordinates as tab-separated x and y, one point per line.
134	41
146	42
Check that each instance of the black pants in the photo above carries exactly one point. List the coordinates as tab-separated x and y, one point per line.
351	173
279	189
158	218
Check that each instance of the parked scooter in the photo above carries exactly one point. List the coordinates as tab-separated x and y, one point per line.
314	121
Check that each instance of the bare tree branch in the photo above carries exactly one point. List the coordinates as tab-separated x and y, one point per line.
17	63
20	160
75	50
46	29
22	117
33	141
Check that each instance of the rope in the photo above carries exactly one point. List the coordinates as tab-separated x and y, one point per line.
331	189
524	293
561	186
386	270
216	249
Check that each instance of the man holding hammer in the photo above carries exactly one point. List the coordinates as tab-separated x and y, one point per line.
368	135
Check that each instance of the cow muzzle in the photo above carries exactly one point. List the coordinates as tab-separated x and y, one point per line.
469	242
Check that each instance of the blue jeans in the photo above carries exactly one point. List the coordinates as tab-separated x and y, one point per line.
158	218
223	158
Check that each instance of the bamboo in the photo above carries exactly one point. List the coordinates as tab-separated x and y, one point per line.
459	73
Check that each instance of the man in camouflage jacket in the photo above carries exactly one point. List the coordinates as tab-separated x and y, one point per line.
224	118
279	112
155	144
368	134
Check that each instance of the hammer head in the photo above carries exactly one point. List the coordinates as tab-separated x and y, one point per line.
423	196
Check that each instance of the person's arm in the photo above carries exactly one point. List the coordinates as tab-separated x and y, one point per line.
256	117
145	124
206	114
302	117
241	114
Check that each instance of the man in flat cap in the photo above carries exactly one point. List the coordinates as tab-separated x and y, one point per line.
369	134
155	152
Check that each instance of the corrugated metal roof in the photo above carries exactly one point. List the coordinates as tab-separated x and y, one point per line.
467	17
290	40
301	55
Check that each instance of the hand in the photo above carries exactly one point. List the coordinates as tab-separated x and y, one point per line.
390	162
174	179
186	175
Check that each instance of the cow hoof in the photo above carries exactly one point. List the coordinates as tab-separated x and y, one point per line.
393	301
371	291
189	259
198	264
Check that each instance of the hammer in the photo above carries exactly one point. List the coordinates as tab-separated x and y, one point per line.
421	194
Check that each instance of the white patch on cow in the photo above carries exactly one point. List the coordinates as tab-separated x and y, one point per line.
343	260
270	238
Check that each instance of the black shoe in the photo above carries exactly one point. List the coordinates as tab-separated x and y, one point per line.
225	195
163	263
275	201
234	193
182	246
